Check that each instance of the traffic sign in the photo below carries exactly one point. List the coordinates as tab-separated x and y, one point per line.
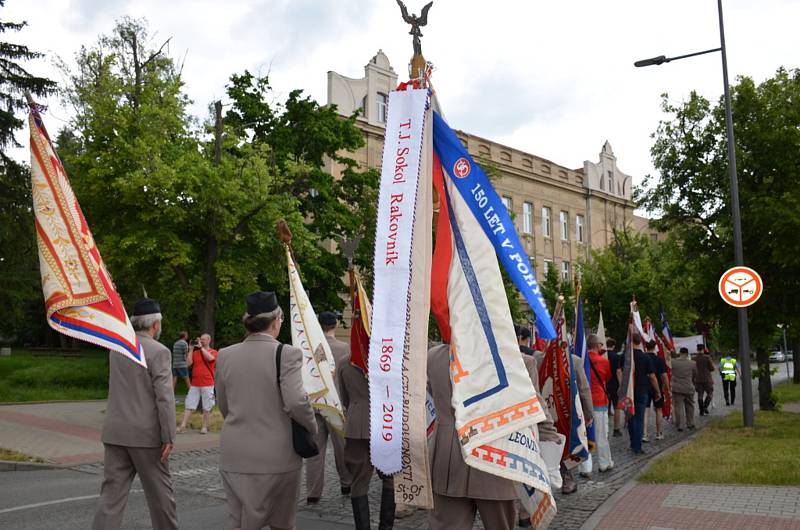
740	286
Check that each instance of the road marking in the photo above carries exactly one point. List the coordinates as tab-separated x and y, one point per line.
58	501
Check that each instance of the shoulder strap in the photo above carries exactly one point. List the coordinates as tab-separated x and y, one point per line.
278	364
597	375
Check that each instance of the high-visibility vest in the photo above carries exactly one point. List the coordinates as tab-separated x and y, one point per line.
728	370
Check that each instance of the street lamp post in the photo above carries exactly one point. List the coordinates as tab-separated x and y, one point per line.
785	349
744	335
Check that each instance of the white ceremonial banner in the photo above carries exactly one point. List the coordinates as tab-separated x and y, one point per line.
690	343
496	407
318	364
402	154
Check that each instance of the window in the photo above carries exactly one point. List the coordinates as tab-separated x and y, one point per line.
579	228
565	270
527	217
364	107
383	104
506	203
564	218
547	264
546	221
611	182
654	238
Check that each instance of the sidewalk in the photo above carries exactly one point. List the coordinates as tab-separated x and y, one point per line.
68	433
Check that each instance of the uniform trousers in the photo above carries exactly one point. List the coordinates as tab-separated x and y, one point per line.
120	466
256	500
458	513
705	393
356	457
604	461
315	467
636	423
729	388
683	405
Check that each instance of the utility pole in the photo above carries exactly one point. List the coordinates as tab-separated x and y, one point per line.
217	133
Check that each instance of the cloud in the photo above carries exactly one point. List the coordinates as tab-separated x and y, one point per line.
83	15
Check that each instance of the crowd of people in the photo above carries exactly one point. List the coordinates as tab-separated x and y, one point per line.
257	385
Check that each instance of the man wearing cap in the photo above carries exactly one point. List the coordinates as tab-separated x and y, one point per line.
259	466
600	374
139	427
315	466
684	377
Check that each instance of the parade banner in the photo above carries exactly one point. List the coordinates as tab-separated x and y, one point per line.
318	364
412	485
495	405
666	332
583	354
394	242
80	298
492	217
625	393
601	331
359	326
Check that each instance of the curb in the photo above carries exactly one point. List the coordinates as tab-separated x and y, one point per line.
9	465
46	402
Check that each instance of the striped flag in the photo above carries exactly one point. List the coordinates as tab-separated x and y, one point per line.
360	326
583	353
79	296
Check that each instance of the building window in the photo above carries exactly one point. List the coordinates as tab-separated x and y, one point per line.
546	221
527	217
611	182
547	264
579	228
565	270
364	107
383	105
564	218
506	203
654	238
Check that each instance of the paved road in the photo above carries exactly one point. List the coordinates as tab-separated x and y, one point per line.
65	498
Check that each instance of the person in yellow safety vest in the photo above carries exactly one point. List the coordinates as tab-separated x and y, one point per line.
729	369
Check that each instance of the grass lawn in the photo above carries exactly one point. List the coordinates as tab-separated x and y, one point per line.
25	377
13	456
727	453
196	419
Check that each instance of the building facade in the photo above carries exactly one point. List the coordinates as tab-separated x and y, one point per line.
561	214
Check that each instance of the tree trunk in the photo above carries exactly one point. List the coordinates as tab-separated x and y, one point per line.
796	348
209	312
764	380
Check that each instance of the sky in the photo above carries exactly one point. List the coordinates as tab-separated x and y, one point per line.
555	79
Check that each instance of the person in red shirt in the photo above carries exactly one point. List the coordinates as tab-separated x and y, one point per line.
201	361
601	376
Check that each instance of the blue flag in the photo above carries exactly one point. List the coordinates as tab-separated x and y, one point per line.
476	190
582	352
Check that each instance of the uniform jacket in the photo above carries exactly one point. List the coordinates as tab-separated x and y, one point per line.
354	395
341	354
547	431
257	434
450	475
684	375
704	368
141	403
583	385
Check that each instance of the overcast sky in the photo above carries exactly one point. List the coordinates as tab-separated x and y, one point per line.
552	78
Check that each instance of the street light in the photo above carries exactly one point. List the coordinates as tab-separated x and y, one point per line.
785	350
744	336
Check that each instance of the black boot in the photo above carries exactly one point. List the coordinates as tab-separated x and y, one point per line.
707	404
361	512
387	509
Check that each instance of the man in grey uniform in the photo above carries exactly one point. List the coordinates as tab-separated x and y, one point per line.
139	427
684	379
354	394
315	467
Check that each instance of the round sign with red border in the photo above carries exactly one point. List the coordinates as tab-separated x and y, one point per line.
740	286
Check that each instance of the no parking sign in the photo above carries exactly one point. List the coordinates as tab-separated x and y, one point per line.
740	286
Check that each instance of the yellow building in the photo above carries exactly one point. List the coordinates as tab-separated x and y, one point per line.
560	213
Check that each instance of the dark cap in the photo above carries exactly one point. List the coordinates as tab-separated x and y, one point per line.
146	306
684	350
326	318
261	302
522	332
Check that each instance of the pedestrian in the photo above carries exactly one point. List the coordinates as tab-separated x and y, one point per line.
179	367
684	378
729	370
660	370
202	363
460	491
613	385
315	466
523	339
260	392
600	376
139	428
705	381
354	395
645	388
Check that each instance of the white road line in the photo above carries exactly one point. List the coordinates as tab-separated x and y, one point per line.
58	501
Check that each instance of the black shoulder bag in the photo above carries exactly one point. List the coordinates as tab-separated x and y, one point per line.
603	383
302	440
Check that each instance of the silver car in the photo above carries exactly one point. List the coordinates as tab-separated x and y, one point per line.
777	357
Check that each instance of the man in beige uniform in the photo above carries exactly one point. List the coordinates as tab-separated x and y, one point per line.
139	427
354	394
459	490
315	467
684	378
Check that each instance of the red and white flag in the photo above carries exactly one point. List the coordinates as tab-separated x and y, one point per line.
79	296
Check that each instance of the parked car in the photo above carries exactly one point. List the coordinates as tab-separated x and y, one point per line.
777	357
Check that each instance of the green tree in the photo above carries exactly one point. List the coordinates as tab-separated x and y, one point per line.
22	310
692	197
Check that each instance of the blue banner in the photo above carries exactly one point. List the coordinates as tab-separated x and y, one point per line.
476	190
582	351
